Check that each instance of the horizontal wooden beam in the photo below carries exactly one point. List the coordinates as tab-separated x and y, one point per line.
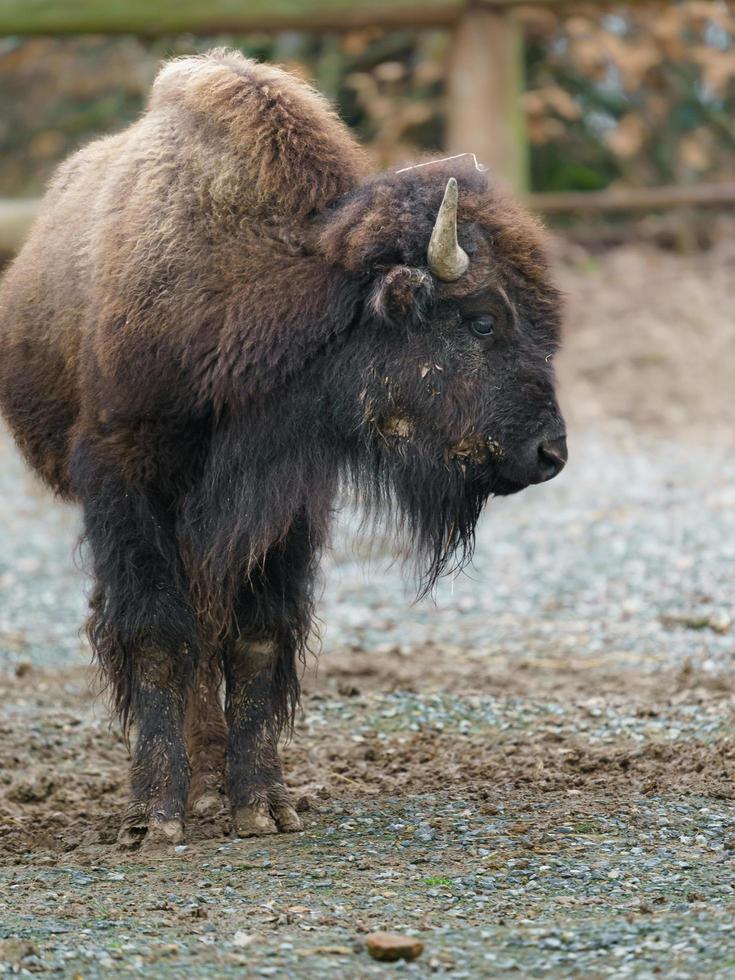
155	17
16	216
634	198
152	18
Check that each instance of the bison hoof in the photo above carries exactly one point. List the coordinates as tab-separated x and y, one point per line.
165	832
265	816
139	828
207	805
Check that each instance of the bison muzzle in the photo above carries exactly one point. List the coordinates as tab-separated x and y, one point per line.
220	321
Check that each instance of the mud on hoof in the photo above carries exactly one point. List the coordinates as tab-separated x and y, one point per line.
269	812
206	795
139	827
207	804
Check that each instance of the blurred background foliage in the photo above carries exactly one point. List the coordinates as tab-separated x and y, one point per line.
633	95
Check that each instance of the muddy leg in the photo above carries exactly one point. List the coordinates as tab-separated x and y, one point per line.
206	736
143	631
258	797
159	775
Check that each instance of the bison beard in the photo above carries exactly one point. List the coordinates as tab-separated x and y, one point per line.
218	322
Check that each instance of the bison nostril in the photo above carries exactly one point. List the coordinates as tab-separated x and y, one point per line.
552	455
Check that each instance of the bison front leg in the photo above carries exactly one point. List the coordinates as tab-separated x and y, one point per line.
143	632
258	797
159	774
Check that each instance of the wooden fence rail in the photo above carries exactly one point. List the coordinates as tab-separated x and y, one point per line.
151	18
16	216
635	198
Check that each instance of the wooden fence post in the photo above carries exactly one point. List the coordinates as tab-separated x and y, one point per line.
484	90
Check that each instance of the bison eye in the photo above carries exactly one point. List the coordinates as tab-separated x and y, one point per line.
483	326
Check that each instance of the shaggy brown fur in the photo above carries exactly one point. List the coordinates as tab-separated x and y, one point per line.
218	318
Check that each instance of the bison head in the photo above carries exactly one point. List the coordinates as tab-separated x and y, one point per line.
448	374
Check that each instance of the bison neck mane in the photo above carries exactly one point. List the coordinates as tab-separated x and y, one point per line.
277	469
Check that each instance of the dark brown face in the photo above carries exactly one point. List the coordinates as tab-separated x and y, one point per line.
465	376
473	386
502	361
460	326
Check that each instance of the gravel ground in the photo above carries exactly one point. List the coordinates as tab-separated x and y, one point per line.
533	773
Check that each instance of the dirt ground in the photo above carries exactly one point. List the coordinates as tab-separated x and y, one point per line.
533	773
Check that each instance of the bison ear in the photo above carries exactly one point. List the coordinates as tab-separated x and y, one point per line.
402	294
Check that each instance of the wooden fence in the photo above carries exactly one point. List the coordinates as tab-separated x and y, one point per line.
484	82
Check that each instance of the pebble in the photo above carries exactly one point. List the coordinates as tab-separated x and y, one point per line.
389	947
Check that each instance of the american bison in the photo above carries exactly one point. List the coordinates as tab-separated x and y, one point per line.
219	320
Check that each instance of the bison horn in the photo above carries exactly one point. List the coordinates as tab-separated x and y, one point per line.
447	259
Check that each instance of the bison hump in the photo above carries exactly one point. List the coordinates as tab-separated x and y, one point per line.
283	143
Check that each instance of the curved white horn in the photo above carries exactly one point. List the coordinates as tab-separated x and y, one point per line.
447	259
